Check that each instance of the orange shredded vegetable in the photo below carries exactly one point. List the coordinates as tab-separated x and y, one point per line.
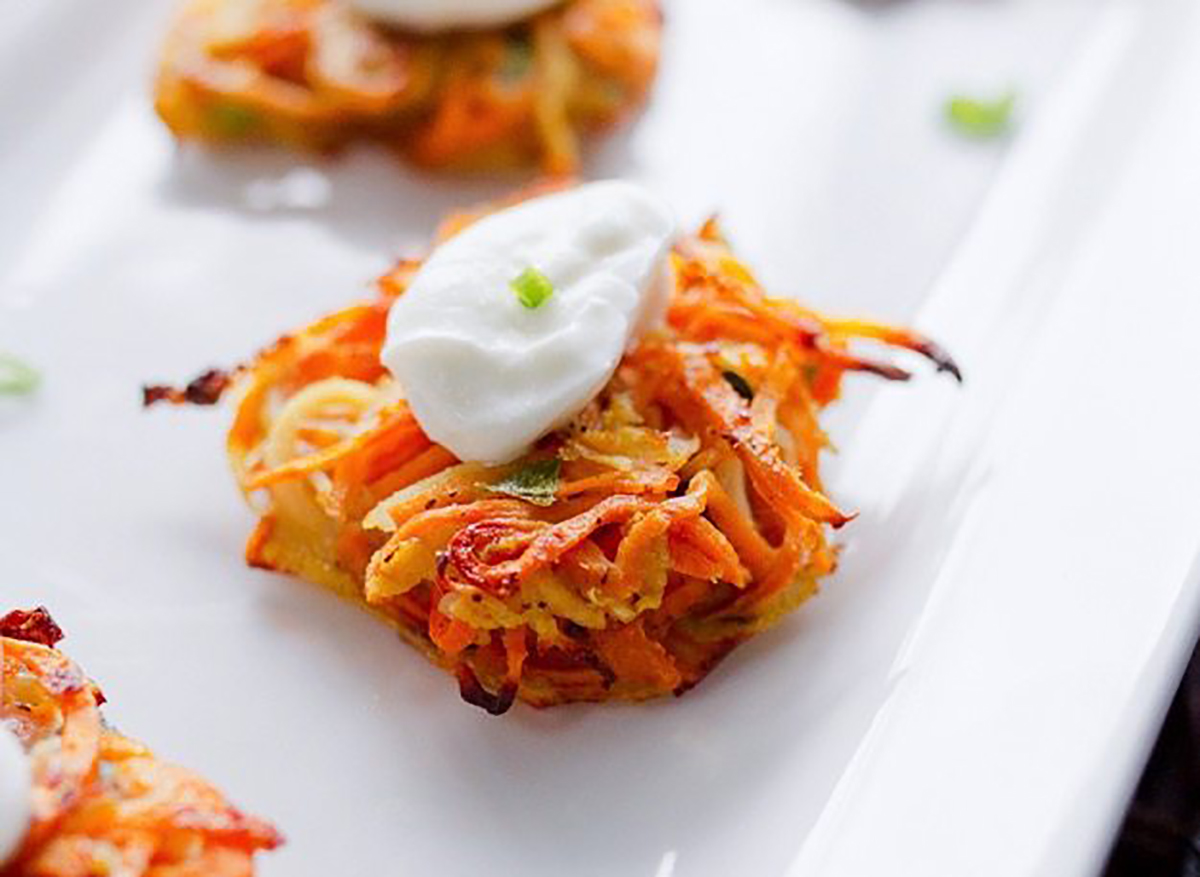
313	74
102	803
685	512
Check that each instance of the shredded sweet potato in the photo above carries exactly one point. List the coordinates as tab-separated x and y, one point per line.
680	513
103	804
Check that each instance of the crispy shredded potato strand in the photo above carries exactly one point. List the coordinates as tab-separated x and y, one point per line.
677	515
102	803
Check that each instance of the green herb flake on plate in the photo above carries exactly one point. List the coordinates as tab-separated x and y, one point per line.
16	377
981	118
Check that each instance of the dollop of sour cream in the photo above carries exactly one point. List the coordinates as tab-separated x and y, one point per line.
486	374
431	16
15	786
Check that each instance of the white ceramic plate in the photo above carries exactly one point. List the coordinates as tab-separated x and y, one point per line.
974	690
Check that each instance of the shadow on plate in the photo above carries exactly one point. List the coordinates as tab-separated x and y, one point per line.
366	197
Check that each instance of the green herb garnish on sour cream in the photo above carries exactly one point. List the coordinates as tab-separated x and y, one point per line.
533	288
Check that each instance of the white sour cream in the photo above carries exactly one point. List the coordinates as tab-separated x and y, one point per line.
431	16
485	374
15	786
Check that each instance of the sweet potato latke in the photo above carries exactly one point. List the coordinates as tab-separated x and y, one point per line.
315	75
103	804
679	514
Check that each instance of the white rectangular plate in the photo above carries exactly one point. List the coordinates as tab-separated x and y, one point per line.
970	694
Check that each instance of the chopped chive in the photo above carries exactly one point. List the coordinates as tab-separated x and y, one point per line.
17	378
740	385
533	288
981	118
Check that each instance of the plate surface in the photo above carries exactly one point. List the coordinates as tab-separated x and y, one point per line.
973	690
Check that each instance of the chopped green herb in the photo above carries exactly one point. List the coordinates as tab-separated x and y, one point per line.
518	59
740	384
981	118
232	120
17	378
533	288
535	482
